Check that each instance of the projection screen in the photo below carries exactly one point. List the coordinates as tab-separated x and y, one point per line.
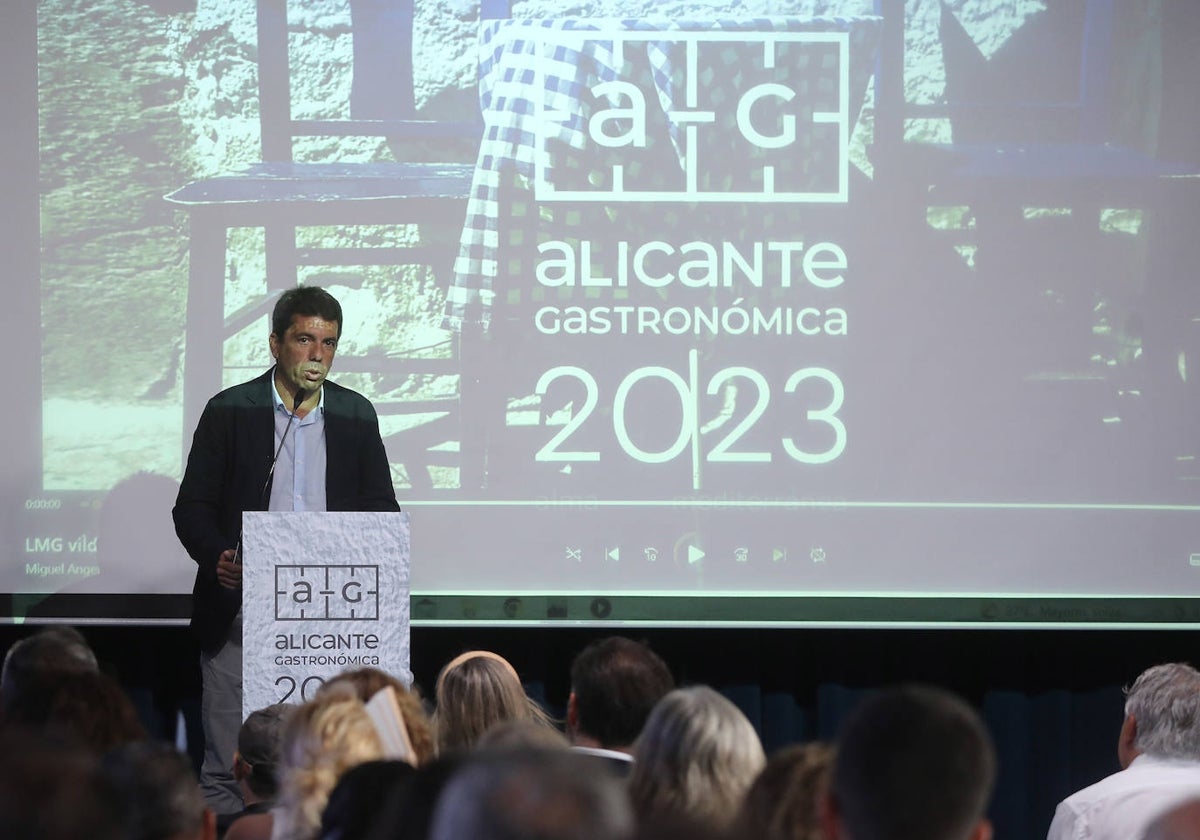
804	313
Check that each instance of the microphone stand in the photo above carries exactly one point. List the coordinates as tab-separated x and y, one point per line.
301	395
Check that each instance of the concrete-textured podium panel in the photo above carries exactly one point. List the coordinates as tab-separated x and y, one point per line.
322	593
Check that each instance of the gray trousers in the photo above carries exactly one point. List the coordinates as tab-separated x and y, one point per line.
221	715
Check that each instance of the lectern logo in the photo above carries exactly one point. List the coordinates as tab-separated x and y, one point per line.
326	593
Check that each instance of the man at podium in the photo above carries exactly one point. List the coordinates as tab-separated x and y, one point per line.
288	440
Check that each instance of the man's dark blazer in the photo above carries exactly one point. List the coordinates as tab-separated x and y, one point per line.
227	469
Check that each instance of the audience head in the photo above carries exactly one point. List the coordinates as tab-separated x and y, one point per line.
475	691
354	804
54	650
696	756
409	816
55	791
322	739
783	803
257	760
89	709
913	763
368	681
1162	714
615	682
522	734
532	795
159	793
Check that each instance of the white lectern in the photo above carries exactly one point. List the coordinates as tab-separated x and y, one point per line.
321	593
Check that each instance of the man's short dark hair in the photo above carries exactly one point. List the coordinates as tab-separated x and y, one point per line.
913	763
617	681
305	300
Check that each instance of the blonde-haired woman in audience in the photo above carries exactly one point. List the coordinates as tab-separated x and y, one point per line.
322	740
695	758
368	681
475	691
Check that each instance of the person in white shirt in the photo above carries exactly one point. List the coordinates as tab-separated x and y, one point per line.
1159	752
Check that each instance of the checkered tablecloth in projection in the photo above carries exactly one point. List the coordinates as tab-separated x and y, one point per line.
552	90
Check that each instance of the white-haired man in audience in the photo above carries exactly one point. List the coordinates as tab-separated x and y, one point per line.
1159	752
913	763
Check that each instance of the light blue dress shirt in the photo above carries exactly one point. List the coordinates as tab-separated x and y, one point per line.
299	482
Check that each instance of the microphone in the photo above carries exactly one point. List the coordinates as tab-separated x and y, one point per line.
301	396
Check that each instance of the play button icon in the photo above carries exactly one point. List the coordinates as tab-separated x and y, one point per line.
687	549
